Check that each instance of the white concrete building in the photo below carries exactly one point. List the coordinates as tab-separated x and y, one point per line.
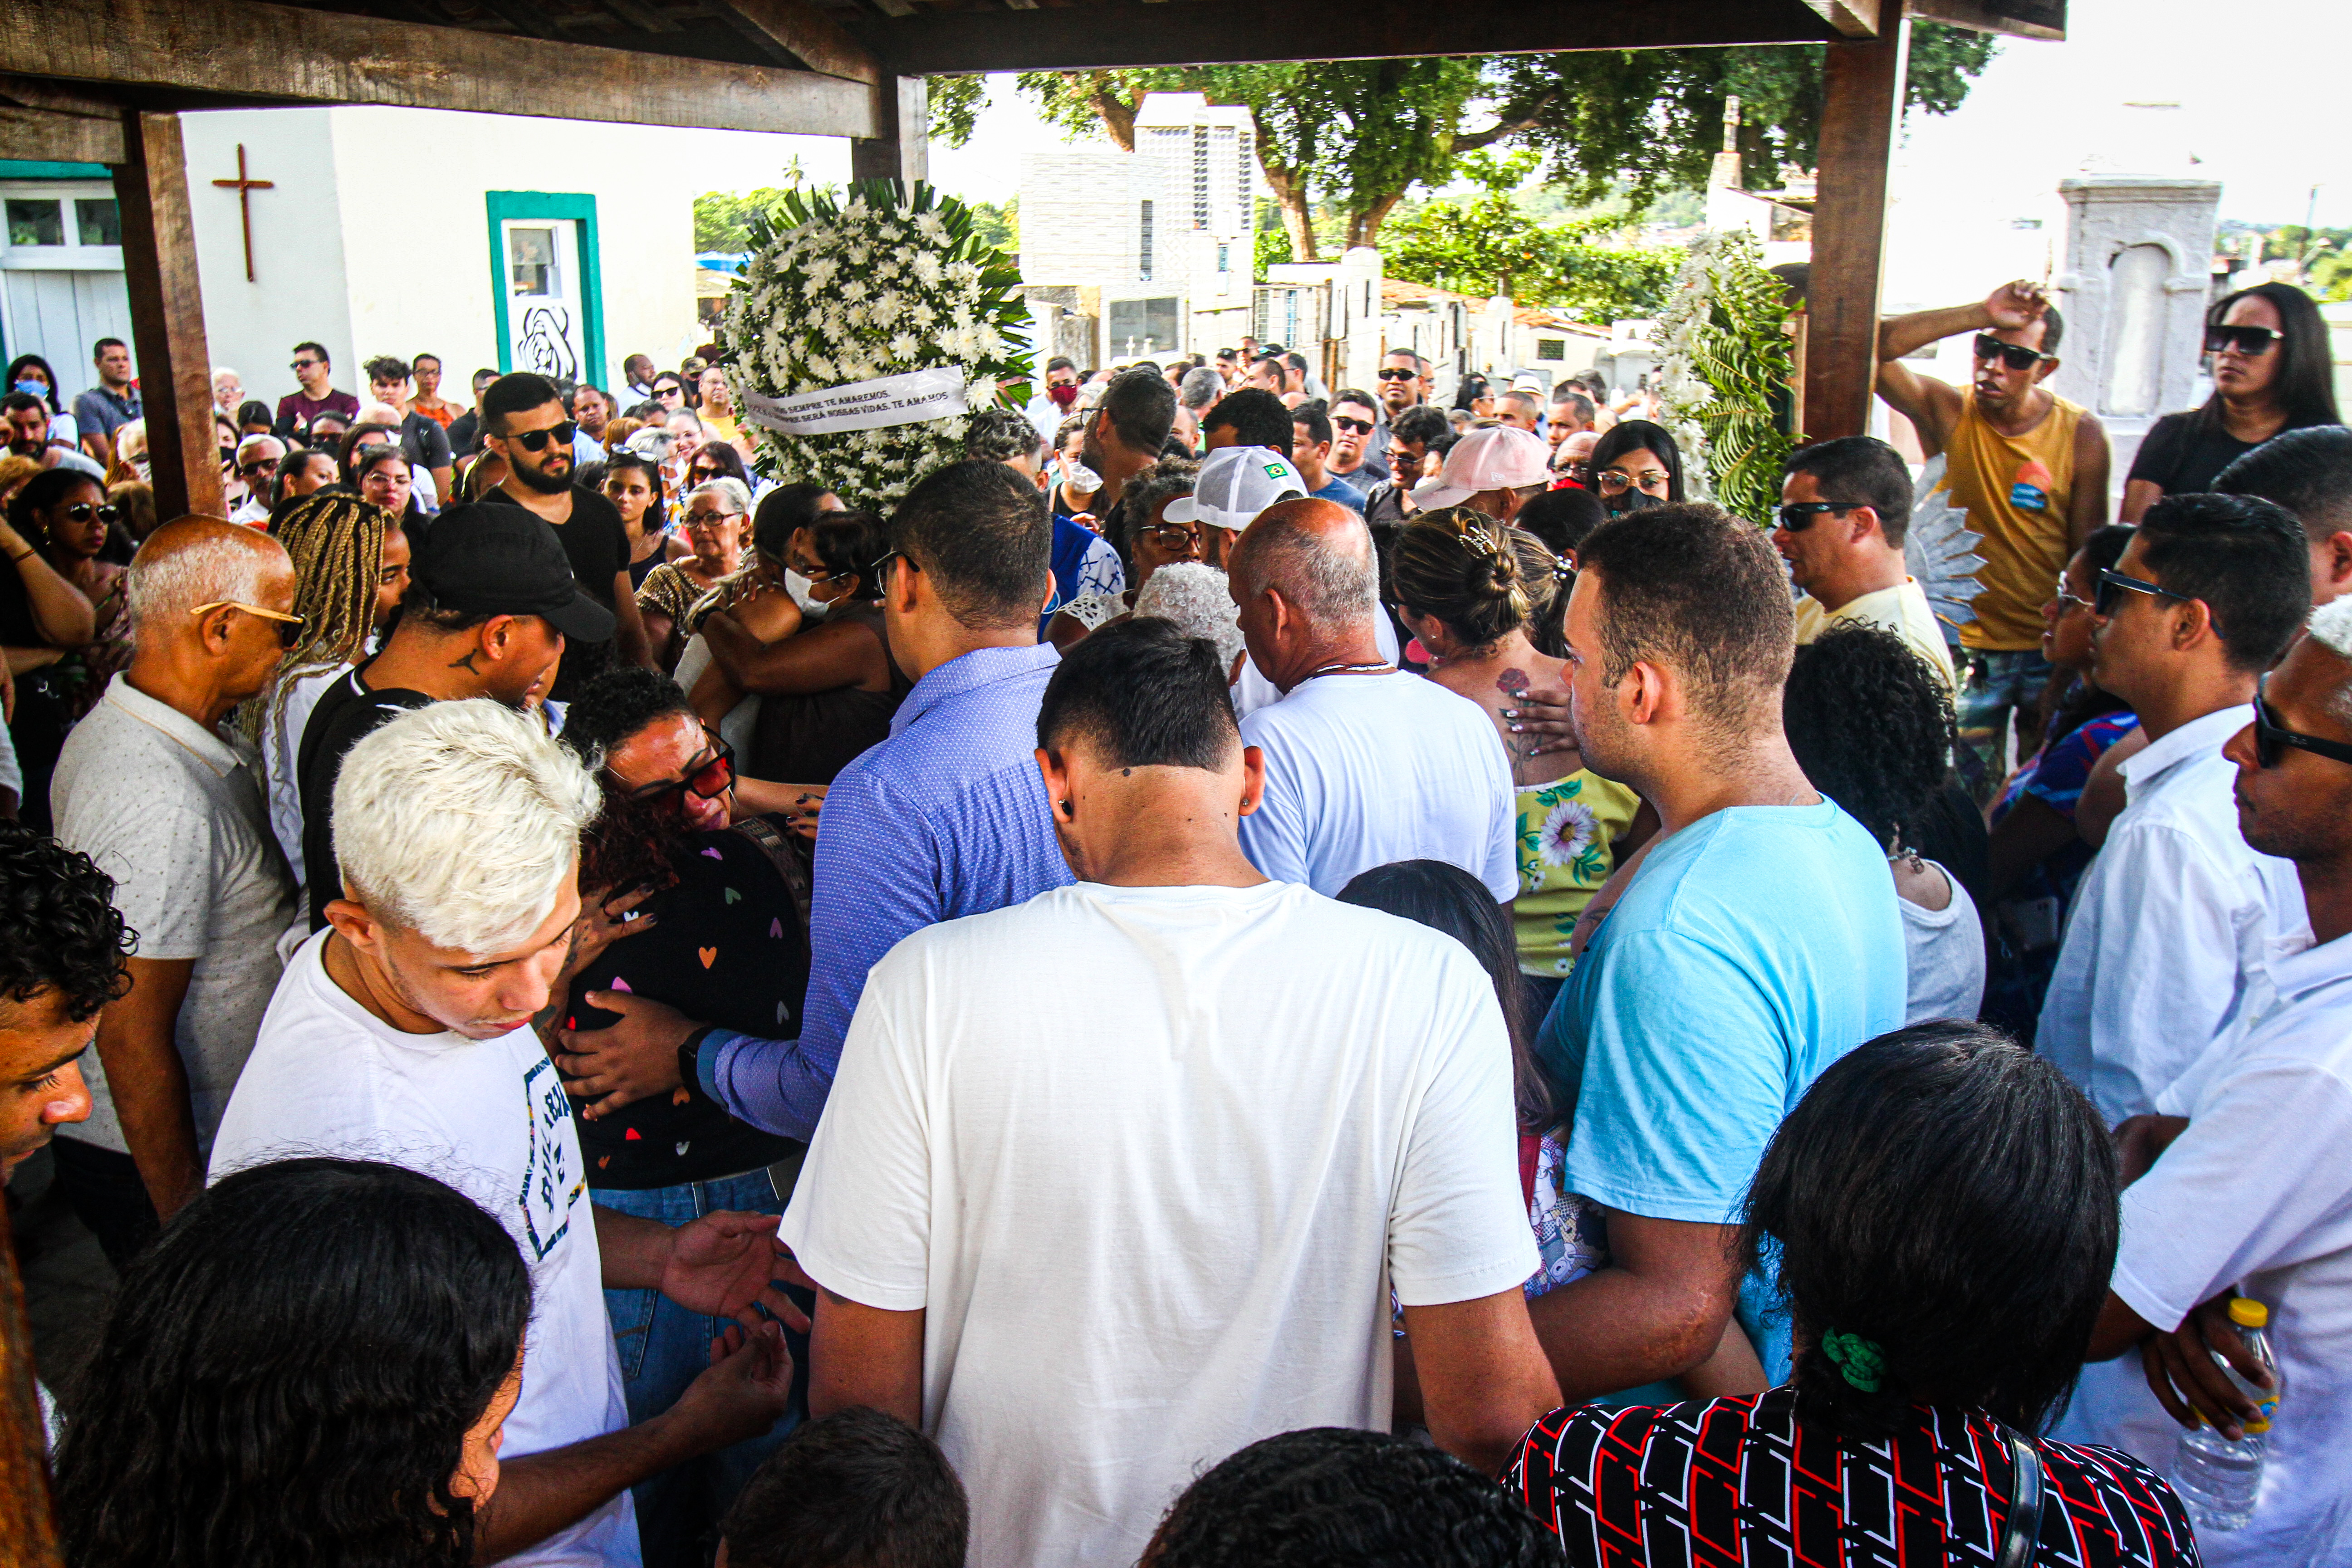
1151	247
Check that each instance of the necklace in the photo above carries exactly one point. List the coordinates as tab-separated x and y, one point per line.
1383	668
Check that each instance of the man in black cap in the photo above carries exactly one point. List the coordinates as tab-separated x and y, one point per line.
491	602
523	421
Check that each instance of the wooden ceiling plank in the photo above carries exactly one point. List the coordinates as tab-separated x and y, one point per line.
639	14
2045	19
1851	18
230	51
1222	32
42	135
806	34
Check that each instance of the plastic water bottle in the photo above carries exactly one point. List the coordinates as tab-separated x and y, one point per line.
2219	1481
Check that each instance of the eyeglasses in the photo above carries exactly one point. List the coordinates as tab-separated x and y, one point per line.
1397	373
709	519
2017	356
1360	426
1613	479
257	466
1798	515
2270	735
299	365
82	511
709	775
537	440
2068	600
882	563
289	627
2113	585
1173	536
2249	341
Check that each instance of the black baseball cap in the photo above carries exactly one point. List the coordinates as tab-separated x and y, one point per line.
483	560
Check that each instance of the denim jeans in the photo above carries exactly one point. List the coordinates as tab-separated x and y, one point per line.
2000	688
663	1348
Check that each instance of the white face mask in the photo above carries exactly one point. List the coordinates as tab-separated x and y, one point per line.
1080	478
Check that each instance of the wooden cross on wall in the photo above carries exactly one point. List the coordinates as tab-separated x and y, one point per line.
245	188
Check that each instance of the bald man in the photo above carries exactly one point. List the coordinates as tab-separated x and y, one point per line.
1364	765
151	790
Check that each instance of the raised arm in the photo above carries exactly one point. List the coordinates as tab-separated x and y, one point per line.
2086	508
61	613
1933	405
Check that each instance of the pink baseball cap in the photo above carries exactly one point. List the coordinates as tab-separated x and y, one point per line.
1500	458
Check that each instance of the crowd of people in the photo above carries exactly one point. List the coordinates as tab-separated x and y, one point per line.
1251	973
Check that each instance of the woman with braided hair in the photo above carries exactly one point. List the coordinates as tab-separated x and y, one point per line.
351	564
1485	600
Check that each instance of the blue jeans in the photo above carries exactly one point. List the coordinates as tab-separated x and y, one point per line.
663	1348
2000	690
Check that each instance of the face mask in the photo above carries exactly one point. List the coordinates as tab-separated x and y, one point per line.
1063	396
1080	478
32	388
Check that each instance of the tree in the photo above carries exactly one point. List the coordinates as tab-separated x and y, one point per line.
998	226
1357	135
722	219
1489	245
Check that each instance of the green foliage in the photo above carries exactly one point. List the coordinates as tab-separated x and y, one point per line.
723	219
1726	368
1584	109
952	107
998	226
1489	245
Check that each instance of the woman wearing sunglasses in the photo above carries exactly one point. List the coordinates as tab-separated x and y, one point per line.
710	919
2272	371
46	622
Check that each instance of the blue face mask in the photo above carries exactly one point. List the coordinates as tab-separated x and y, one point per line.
32	388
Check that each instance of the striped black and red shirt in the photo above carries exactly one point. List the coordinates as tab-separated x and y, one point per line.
1741	1483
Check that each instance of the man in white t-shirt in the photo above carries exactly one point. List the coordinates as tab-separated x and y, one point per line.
2177	912
403	1032
1097	1237
1365	765
1846	507
2251	1194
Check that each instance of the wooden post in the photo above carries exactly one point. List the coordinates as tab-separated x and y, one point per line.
1862	110
167	317
28	1527
901	107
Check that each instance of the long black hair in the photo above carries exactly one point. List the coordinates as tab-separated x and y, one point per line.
1446	898
17	368
1639	436
1945	1204
2304	384
288	1374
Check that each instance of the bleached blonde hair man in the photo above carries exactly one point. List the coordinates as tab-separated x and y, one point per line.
457	834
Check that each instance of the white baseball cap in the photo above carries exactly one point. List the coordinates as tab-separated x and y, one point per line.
1500	458
1235	484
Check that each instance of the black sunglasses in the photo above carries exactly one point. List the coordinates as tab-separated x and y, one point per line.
300	365
2270	735
1798	515
707	777
2017	356
671	391
537	440
82	511
2249	341
2114	585
1397	373
1360	427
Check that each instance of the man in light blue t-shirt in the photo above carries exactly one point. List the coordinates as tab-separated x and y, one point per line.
1758	943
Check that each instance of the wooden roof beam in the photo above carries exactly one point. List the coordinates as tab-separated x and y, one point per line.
1231	32
194	54
797	32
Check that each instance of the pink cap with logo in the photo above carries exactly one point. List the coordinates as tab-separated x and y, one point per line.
1500	458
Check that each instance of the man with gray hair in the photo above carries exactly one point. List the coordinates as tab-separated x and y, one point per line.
1364	765
403	1033
150	788
257	457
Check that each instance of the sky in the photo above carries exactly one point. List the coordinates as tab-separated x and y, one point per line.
2257	106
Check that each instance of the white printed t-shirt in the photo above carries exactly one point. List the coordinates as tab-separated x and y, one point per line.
1156	1215
489	1118
2169	918
174	815
2255	1195
1367	770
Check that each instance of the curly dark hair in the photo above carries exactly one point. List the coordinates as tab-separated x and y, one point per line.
59	926
287	1375
1951	1200
1334	1498
628	845
1871	725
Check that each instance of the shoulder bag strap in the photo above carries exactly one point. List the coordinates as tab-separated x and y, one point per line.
2027	1500
781	854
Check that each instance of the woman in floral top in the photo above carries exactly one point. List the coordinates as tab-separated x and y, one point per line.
1481	596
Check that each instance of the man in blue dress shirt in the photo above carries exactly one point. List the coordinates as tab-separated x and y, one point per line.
947	817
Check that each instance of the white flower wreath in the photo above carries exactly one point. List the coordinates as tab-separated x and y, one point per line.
883	281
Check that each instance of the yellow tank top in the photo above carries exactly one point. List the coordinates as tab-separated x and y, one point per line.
1569	831
2017	490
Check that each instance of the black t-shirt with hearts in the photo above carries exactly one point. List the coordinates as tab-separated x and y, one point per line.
727	948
